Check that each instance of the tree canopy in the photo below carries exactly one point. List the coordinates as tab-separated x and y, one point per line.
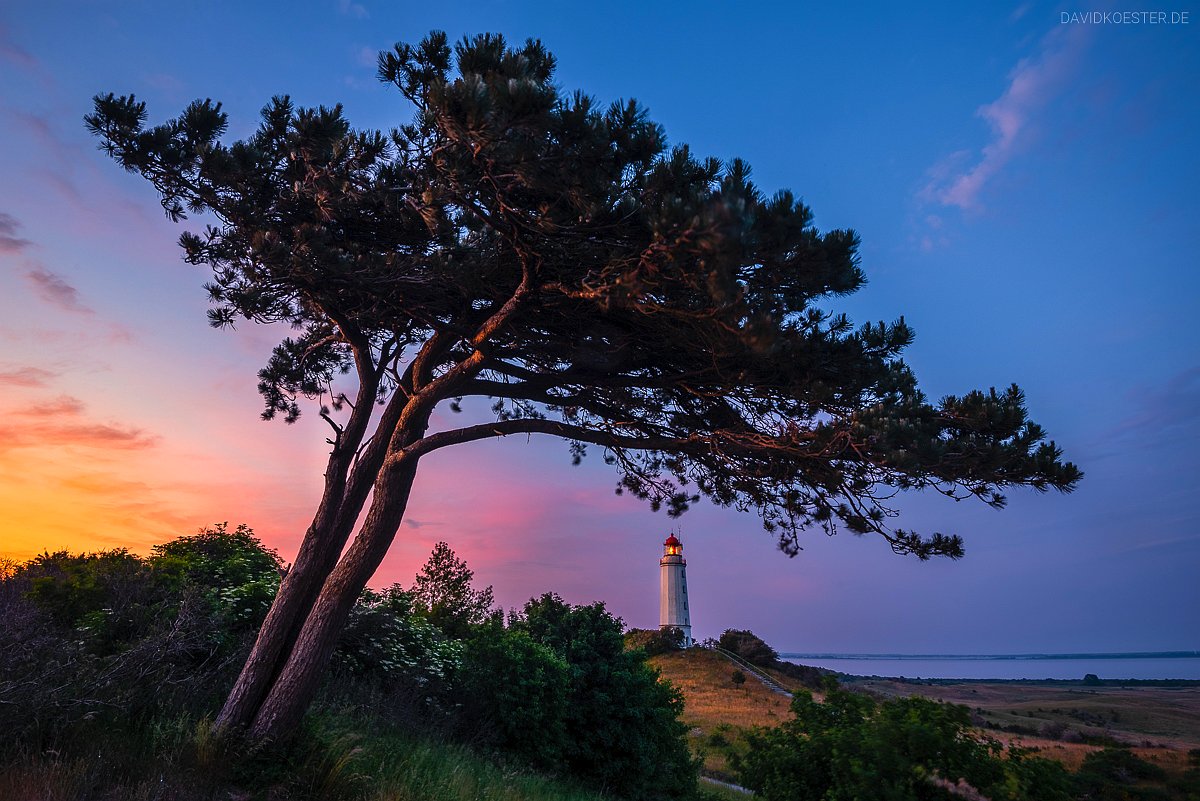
532	246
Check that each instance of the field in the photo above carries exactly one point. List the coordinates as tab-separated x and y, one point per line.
1067	720
1064	720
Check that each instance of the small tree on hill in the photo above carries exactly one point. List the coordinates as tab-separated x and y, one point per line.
748	646
526	245
653	642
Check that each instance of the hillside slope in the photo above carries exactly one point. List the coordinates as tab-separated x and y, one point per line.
715	708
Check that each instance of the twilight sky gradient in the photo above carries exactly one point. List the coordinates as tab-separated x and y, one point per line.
1026	195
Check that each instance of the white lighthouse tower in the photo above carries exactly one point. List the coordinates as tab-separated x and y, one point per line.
673	596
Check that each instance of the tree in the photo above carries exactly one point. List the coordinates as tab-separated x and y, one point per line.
443	592
521	244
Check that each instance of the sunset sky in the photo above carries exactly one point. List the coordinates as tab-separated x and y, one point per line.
1026	193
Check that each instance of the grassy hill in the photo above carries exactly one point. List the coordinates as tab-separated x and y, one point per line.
716	709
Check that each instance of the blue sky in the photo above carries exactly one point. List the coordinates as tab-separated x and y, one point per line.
1026	195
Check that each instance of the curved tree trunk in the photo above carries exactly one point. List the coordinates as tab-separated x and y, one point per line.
340	506
297	593
293	690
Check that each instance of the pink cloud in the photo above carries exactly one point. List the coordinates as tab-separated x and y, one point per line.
960	179
9	241
26	377
52	288
63	422
11	51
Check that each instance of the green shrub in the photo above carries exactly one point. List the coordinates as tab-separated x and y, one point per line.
514	695
749	647
1106	775
112	639
236	574
653	642
386	642
851	747
623	732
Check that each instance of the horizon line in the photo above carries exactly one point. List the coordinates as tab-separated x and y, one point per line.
1079	655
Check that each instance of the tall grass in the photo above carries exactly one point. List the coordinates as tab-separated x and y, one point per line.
337	757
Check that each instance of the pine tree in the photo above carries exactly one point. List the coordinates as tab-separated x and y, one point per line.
442	591
522	244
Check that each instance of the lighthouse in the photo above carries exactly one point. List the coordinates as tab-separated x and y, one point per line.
673	593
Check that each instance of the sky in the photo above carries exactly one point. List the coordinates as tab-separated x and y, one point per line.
1024	184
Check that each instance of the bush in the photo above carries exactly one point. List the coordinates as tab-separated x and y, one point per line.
623	732
110	638
749	646
236	575
852	747
514	695
1113	766
653	642
386	643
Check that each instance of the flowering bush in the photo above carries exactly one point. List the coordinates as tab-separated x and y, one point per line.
385	640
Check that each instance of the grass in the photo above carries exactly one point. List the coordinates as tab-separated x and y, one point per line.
710	695
337	758
716	710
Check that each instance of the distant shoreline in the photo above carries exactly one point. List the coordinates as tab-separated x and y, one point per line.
1100	683
1000	657
1150	666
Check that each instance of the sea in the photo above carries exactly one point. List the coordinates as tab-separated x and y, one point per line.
1162	665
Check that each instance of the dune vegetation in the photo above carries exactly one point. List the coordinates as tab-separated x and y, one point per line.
114	665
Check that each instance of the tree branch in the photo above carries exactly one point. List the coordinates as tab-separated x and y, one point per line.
504	428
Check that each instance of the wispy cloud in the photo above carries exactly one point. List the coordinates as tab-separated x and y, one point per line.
960	179
352	9
367	56
9	241
60	407
52	288
11	51
64	422
1164	410
34	377
164	82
